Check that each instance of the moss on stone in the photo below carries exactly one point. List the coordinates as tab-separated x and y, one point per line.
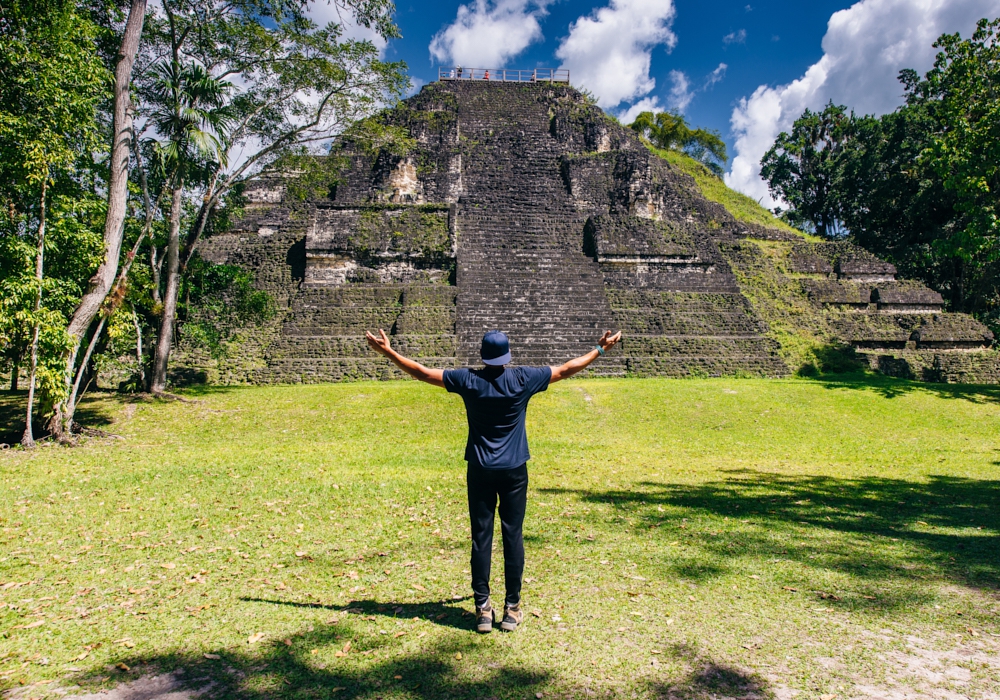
742	207
410	231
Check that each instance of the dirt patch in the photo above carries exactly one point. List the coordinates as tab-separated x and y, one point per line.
167	686
927	672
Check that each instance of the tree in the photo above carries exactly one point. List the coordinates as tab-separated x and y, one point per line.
53	83
892	201
964	85
114	223
231	48
299	85
191	115
802	168
917	186
671	131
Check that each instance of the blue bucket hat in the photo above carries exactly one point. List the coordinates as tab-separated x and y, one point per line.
496	349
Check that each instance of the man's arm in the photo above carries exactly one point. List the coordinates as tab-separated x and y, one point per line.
380	344
606	342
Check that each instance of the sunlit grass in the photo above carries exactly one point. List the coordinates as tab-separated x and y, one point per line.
734	538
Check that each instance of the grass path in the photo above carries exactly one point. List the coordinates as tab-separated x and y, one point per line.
686	539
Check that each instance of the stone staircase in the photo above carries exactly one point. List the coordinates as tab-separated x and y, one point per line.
521	267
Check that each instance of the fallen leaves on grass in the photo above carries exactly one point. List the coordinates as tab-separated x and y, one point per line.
418	587
214	657
30	625
255	637
790	588
458	656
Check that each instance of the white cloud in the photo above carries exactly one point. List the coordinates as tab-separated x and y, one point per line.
415	86
864	49
488	33
647	104
325	12
680	94
715	76
739	37
608	51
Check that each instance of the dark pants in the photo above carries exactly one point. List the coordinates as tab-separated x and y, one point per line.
485	487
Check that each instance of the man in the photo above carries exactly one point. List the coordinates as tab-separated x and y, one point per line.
496	401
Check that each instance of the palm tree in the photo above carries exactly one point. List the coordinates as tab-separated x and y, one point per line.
671	131
191	118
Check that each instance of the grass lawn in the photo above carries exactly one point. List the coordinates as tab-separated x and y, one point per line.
686	539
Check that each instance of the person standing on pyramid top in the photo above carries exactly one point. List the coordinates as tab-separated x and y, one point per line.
496	402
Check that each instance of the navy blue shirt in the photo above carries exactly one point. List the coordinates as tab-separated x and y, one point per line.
496	402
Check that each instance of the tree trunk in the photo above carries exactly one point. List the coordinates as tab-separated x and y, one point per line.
28	439
114	229
154	264
166	336
138	347
15	367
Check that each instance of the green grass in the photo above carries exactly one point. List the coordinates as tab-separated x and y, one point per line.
688	539
742	207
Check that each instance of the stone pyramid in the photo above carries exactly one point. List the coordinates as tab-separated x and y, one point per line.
524	208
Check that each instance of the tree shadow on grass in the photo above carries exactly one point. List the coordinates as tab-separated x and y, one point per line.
93	413
873	528
890	387
446	613
711	679
303	665
13	405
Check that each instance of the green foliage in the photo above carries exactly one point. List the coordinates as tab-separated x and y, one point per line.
831	359
965	82
802	168
221	300
377	137
917	186
190	112
670	131
54	84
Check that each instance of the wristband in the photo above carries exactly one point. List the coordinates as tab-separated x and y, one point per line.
599	349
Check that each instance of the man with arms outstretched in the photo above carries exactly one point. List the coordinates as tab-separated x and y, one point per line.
496	401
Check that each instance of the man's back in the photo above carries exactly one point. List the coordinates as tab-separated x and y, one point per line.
496	402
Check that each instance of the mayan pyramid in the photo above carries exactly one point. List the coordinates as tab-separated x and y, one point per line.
523	207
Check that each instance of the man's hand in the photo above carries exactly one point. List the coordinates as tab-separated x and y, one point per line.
608	341
380	344
570	368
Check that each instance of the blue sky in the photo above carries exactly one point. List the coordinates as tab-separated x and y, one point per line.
772	51
745	68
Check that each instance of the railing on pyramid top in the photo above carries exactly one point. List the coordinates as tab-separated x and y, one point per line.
505	75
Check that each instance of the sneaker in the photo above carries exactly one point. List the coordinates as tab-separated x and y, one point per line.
512	617
484	618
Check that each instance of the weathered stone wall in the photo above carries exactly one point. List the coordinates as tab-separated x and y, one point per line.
523	207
